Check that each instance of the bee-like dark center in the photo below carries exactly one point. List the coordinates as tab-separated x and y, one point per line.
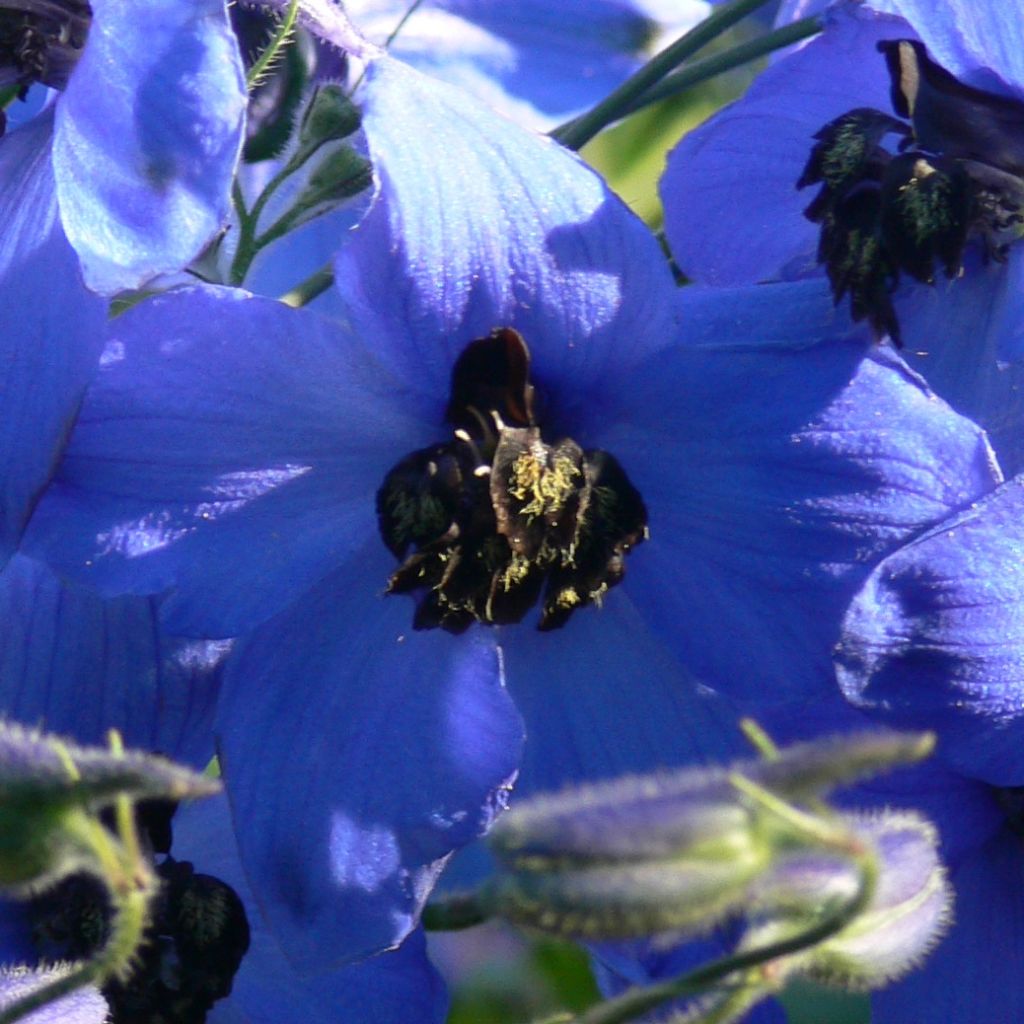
41	40
196	938
498	518
954	171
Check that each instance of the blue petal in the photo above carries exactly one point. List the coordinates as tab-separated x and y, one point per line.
934	639
603	697
358	754
492	225
53	327
396	988
534	60
966	337
973	977
232	448
733	214
148	133
775	477
77	665
972	39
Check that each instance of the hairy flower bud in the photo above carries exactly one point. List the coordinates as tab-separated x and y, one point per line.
331	115
673	852
906	916
45	785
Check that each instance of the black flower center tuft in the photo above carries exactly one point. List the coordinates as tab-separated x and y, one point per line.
41	40
195	941
955	173
497	519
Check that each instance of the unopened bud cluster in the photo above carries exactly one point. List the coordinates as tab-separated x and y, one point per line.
679	853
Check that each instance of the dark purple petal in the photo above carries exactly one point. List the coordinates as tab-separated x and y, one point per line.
358	754
935	639
52	327
980	41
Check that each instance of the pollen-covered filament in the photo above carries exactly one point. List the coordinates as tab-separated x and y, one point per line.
495	520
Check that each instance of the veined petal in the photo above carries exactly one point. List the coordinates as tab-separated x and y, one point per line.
603	697
358	755
973	977
774	478
535	60
966	337
77	665
979	41
53	327
148	133
733	213
231	448
395	988
935	640
491	225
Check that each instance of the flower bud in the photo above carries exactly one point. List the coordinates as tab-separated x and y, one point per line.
344	173
331	116
48	784
631	857
677	851
908	913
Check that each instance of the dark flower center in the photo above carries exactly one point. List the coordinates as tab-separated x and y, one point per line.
196	939
41	40
497	519
957	174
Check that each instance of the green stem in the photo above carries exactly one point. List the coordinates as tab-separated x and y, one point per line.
576	133
701	70
410	11
75	979
636	1001
131	885
759	739
306	291
248	223
281	36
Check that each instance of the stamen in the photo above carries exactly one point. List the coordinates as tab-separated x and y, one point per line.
508	515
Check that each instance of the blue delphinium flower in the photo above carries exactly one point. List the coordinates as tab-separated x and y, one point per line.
145	131
934	640
132	163
234	453
734	212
